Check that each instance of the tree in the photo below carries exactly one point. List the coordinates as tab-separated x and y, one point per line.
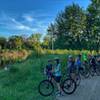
3	42
15	42
93	24
52	31
46	42
34	41
70	25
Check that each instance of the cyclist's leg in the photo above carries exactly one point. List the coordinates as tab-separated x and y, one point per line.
57	80
94	67
68	72
73	74
49	75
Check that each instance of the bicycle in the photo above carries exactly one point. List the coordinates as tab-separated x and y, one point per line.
95	70
84	70
46	87
75	75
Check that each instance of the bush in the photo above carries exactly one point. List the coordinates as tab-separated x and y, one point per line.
11	56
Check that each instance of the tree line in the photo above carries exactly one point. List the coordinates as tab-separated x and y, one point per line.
20	42
76	28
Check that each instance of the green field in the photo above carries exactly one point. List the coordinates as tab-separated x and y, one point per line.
21	82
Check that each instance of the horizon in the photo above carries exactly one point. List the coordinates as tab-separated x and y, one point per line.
26	17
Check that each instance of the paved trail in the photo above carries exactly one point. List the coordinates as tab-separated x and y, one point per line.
89	89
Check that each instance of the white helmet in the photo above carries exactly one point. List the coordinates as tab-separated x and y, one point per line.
70	56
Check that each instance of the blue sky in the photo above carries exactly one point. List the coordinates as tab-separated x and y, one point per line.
24	17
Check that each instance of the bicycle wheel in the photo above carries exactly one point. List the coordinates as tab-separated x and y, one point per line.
69	86
46	88
78	80
98	71
92	72
84	73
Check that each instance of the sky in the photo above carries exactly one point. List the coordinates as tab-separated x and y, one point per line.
25	17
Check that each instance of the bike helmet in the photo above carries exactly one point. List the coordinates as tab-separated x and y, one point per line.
70	56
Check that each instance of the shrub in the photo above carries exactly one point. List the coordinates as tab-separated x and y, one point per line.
68	52
11	56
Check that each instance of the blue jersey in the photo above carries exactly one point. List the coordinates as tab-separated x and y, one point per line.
57	70
71	64
78	62
71	67
49	69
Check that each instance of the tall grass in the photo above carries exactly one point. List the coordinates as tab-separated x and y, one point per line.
23	84
12	56
68	52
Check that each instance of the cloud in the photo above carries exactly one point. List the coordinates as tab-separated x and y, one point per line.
27	23
11	23
28	18
20	26
38	20
27	28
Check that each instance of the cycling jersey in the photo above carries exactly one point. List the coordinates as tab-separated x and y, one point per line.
78	62
93	61
71	67
49	69
71	64
57	70
84	57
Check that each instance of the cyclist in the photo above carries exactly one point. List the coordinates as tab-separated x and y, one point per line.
98	60
57	75
78	63
71	66
48	69
89	57
93	63
84	58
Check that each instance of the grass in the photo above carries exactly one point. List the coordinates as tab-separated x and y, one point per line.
21	82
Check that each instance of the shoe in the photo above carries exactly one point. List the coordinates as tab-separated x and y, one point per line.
62	94
58	93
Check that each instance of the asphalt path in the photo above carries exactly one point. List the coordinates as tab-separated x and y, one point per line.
89	89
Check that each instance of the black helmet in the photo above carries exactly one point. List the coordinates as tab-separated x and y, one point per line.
57	60
49	60
79	55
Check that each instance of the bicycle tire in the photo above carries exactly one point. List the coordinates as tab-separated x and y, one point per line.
72	82
78	80
45	83
92	72
85	73
98	71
